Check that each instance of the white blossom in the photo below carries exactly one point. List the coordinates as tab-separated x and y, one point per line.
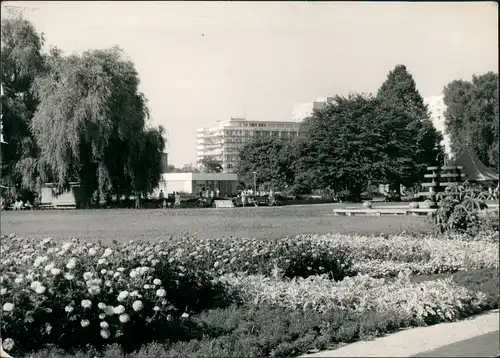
124	318
8	307
137	305
85	322
161	292
122	296
119	309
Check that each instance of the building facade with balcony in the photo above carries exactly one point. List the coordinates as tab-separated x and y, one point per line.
437	108
224	142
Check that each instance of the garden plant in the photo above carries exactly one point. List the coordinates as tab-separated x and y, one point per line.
233	296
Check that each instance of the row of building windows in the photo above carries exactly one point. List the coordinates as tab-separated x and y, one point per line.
250	133
268	125
243	136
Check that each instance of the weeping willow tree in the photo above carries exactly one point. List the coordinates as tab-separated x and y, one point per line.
92	126
22	61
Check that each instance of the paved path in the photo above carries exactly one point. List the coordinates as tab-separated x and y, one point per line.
413	342
486	345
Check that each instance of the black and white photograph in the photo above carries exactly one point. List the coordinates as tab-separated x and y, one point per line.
249	179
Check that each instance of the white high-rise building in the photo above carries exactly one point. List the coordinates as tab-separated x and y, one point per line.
224	141
437	108
305	109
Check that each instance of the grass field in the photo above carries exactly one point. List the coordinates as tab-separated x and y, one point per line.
261	222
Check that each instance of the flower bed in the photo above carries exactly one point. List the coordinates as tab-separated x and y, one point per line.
428	301
337	255
76	294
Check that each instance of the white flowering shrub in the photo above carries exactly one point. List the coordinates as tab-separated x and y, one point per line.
77	294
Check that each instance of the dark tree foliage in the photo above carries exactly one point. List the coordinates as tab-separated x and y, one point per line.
472	116
210	165
186	168
77	118
351	143
400	92
270	159
90	125
360	140
22	61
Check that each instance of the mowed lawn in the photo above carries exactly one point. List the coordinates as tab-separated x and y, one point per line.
261	222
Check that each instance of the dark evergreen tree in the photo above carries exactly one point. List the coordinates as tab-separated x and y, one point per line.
400	92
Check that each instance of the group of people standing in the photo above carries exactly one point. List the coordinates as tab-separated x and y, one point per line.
167	203
212	194
248	196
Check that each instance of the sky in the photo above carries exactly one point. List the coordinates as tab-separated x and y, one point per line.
201	62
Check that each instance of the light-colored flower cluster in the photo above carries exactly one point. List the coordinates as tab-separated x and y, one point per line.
49	284
378	255
441	298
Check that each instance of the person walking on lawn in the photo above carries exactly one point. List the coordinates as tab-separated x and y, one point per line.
271	198
161	196
177	200
243	198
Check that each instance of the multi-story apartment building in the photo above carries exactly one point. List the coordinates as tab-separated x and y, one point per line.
304	110
437	108
224	141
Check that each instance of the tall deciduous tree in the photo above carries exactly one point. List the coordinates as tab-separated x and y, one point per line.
270	159
210	165
472	116
22	61
91	122
187	168
399	91
356	141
